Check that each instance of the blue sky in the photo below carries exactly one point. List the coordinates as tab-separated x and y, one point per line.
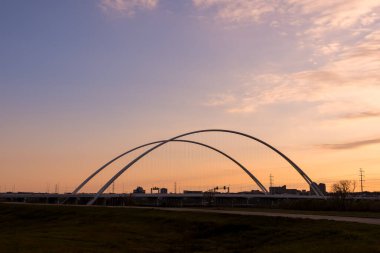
103	75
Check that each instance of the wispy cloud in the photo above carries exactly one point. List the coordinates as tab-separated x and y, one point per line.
236	10
128	7
346	85
350	145
220	99
361	115
316	23
325	16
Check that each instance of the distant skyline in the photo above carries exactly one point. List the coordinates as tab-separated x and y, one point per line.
82	81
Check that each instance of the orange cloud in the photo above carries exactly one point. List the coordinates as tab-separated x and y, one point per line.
361	115
350	145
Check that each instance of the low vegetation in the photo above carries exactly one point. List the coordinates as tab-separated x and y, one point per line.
336	204
38	228
375	215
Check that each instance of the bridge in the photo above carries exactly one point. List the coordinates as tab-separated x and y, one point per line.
179	138
156	199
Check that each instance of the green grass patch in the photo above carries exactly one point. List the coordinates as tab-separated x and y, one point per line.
28	228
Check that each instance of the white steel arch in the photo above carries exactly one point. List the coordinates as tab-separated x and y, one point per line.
257	181
312	185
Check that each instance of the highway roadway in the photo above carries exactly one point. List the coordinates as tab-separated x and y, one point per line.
372	221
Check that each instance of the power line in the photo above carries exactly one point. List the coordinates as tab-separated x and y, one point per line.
56	188
361	178
270	180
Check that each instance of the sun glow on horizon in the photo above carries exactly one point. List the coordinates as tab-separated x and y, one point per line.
81	82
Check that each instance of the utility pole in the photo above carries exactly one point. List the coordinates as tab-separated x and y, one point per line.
270	180
361	179
175	187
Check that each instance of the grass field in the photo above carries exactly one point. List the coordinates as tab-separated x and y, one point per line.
375	215
26	228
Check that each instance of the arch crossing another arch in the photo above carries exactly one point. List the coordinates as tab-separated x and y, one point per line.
312	185
257	181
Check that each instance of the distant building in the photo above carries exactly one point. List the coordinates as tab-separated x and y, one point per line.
277	189
256	192
293	191
139	189
283	190
164	190
320	186
192	192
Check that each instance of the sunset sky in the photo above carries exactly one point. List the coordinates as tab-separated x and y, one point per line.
82	81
